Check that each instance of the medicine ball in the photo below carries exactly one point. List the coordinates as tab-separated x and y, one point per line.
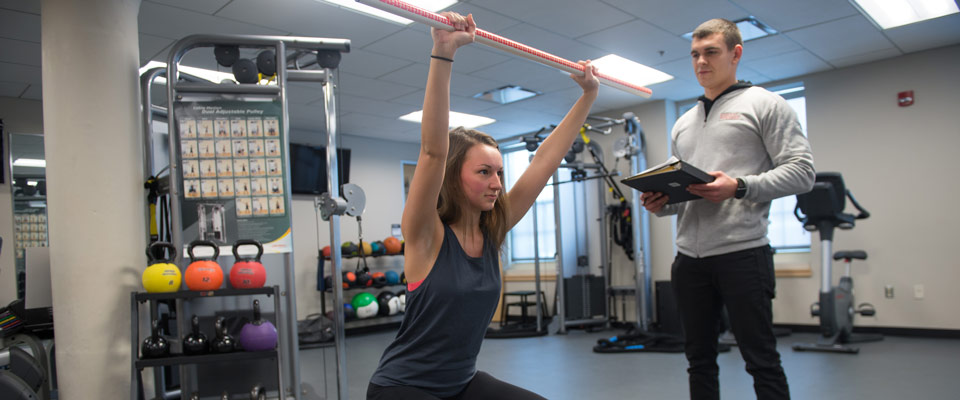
349	280
364	279
402	300
391	245
388	302
349	312
377	248
379	279
326	251
367	249
393	277
348	249
365	304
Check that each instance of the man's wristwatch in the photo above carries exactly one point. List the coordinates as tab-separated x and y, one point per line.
741	189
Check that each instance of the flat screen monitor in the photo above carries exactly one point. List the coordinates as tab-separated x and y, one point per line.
308	168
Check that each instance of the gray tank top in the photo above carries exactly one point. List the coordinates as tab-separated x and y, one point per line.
446	318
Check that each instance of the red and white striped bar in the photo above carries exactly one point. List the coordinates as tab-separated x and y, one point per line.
438	21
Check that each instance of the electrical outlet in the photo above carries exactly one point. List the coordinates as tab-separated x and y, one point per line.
918	291
888	291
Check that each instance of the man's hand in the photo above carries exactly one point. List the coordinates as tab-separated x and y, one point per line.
722	188
653	201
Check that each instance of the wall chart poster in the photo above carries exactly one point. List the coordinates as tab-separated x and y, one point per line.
233	173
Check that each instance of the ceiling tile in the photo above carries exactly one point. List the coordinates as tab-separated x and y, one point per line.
552	43
414	75
176	23
528	74
477	56
744	72
369	64
469	105
928	34
34	92
413	99
789	65
363	105
467	85
490	21
20	73
574	18
557	102
20	25
372	88
311	18
681	16
786	15
681	68
622	40
32	7
521	116
768	46
864	57
205	6
12	89
407	44
859	37
153	48
20	52
676	89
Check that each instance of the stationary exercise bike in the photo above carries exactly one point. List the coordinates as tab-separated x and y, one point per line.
822	210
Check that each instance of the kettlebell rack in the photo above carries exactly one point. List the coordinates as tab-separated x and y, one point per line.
178	359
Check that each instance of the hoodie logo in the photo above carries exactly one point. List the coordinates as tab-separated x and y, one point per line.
730	116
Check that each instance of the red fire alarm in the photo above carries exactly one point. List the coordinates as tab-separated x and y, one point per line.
905	99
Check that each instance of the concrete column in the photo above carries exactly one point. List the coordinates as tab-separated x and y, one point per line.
95	196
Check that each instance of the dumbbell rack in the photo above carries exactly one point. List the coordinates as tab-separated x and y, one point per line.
177	358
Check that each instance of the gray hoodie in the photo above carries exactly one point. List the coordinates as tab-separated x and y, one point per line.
749	133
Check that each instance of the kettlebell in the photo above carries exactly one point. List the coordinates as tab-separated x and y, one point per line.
203	273
161	276
247	272
259	334
195	343
155	345
223	343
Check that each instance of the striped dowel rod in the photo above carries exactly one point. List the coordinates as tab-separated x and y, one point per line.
438	21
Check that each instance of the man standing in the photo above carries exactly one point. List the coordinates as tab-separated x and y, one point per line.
752	142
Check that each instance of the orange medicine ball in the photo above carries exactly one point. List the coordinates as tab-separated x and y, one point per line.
392	245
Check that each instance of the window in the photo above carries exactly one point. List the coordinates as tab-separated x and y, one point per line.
785	232
520	239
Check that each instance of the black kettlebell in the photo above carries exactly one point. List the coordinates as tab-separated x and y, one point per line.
195	343
223	343
155	345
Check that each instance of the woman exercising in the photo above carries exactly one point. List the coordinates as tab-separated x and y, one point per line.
454	223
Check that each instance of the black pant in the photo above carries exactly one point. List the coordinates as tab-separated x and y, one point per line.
482	386
744	282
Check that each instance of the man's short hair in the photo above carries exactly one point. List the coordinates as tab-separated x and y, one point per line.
731	35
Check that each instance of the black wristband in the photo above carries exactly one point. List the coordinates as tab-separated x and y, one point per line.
441	58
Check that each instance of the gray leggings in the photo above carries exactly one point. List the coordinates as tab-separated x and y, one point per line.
482	386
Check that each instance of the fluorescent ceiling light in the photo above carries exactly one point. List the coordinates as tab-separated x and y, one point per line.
29	162
506	94
32	183
210	75
749	28
888	14
630	71
456	119
432	5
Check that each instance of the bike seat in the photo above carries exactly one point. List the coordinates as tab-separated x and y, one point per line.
850	254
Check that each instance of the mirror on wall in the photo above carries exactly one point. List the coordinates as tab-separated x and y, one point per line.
29	190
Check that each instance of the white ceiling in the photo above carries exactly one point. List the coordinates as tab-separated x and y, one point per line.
384	74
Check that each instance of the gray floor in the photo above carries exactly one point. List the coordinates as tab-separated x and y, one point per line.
565	367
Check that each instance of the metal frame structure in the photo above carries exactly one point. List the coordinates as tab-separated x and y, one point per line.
181	85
